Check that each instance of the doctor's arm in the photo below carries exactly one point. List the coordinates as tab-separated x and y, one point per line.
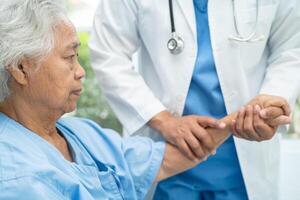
282	75
114	39
175	162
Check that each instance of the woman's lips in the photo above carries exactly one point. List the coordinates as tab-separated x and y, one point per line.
77	92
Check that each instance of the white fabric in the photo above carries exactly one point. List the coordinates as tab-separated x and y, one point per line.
289	171
271	66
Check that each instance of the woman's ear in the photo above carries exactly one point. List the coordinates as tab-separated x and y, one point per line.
20	72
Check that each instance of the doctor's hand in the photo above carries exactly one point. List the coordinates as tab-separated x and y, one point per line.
259	120
187	133
270	111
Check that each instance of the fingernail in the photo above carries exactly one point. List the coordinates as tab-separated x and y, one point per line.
222	125
288	120
263	113
242	109
249	110
256	109
213	152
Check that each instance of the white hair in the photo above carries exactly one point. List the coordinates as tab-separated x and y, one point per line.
26	31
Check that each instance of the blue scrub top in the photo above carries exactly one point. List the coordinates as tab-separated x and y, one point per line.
222	171
105	167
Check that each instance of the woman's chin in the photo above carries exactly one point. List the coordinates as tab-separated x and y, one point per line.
70	109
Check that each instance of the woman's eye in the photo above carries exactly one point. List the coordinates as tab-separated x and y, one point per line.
72	57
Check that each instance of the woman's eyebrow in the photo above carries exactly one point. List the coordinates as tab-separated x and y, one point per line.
74	45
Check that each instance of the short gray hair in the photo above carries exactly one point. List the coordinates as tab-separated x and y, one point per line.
26	30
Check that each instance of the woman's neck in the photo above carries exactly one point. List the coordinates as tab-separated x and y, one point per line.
39	121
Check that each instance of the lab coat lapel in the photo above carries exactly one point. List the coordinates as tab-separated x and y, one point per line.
187	8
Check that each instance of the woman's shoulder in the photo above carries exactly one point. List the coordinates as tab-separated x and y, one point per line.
87	129
98	141
19	155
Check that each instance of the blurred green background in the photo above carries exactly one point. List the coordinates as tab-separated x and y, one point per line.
295	126
92	103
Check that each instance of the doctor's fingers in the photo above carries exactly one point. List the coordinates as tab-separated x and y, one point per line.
209	122
184	148
248	127
207	141
278	102
279	121
196	148
271	112
264	131
239	124
275	116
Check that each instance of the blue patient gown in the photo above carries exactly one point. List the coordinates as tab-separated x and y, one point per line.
105	167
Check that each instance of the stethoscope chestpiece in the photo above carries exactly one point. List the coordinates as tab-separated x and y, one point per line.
175	44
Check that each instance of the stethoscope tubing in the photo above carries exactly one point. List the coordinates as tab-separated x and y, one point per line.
251	37
173	28
238	37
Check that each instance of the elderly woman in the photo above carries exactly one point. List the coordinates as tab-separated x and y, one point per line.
45	157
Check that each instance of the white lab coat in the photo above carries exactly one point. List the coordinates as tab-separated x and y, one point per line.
271	66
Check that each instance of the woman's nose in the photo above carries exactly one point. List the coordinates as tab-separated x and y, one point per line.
80	72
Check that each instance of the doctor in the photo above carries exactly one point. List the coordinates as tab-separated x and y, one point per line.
205	58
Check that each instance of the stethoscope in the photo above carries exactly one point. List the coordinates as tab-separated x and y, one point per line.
176	43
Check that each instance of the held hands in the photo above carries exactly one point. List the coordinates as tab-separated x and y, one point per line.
259	120
187	133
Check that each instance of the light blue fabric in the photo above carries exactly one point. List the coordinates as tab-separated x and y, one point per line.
105	167
219	172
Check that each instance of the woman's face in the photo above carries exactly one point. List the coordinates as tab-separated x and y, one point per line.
56	84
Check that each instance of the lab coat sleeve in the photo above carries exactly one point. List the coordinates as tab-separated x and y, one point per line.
28	187
282	77
114	39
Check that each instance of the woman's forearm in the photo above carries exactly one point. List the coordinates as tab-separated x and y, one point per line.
175	162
